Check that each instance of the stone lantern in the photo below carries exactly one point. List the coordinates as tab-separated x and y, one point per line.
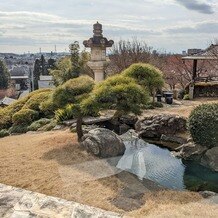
98	45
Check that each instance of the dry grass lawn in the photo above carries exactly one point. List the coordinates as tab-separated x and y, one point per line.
54	164
182	108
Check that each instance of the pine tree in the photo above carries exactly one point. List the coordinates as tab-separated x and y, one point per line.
4	76
74	50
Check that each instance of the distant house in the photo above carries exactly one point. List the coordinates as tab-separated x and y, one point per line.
20	77
46	82
204	85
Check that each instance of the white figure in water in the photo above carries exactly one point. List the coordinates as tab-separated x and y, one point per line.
153	163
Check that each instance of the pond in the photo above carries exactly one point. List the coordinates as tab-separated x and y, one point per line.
159	165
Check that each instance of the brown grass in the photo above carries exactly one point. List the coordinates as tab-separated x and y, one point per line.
182	108
54	164
175	204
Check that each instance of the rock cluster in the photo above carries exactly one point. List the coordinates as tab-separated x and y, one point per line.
156	126
103	142
160	129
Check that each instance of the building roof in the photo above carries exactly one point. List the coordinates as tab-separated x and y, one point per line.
19	70
7	101
211	53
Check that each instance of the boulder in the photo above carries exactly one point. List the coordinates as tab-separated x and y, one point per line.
89	120
173	139
130	136
155	126
210	159
128	119
123	128
191	151
208	194
103	143
96	120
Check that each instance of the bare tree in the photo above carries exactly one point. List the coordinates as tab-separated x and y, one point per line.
179	72
126	52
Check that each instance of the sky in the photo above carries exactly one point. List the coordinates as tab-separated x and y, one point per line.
166	25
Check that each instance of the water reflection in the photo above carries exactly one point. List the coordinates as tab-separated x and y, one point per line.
151	162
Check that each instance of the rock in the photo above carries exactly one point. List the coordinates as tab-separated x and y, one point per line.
58	127
103	143
210	159
123	128
191	151
131	135
89	120
128	119
173	139
94	120
87	128
69	122
155	126
207	194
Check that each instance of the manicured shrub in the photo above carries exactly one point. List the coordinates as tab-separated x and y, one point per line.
157	104
149	106
186	97
121	94
7	112
38	124
47	108
49	126
24	116
71	90
4	132
146	75
203	124
5	119
66	113
35	101
18	129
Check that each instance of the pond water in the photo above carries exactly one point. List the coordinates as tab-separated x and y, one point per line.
159	165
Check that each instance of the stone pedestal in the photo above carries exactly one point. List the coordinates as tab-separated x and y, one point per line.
98	68
98	45
191	91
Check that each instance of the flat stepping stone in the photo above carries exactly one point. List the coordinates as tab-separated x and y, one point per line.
20	203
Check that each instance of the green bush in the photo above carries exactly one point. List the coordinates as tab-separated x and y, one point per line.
38	124
148	106
24	116
34	102
47	107
119	93
69	92
18	129
157	104
4	132
186	97
7	112
49	126
146	75
203	124
66	113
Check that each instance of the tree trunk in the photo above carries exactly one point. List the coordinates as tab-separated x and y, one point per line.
79	128
153	96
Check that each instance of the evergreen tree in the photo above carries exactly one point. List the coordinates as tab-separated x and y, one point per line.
74	50
43	66
4	76
51	64
36	73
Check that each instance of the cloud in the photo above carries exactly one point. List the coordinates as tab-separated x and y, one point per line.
196	5
209	27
